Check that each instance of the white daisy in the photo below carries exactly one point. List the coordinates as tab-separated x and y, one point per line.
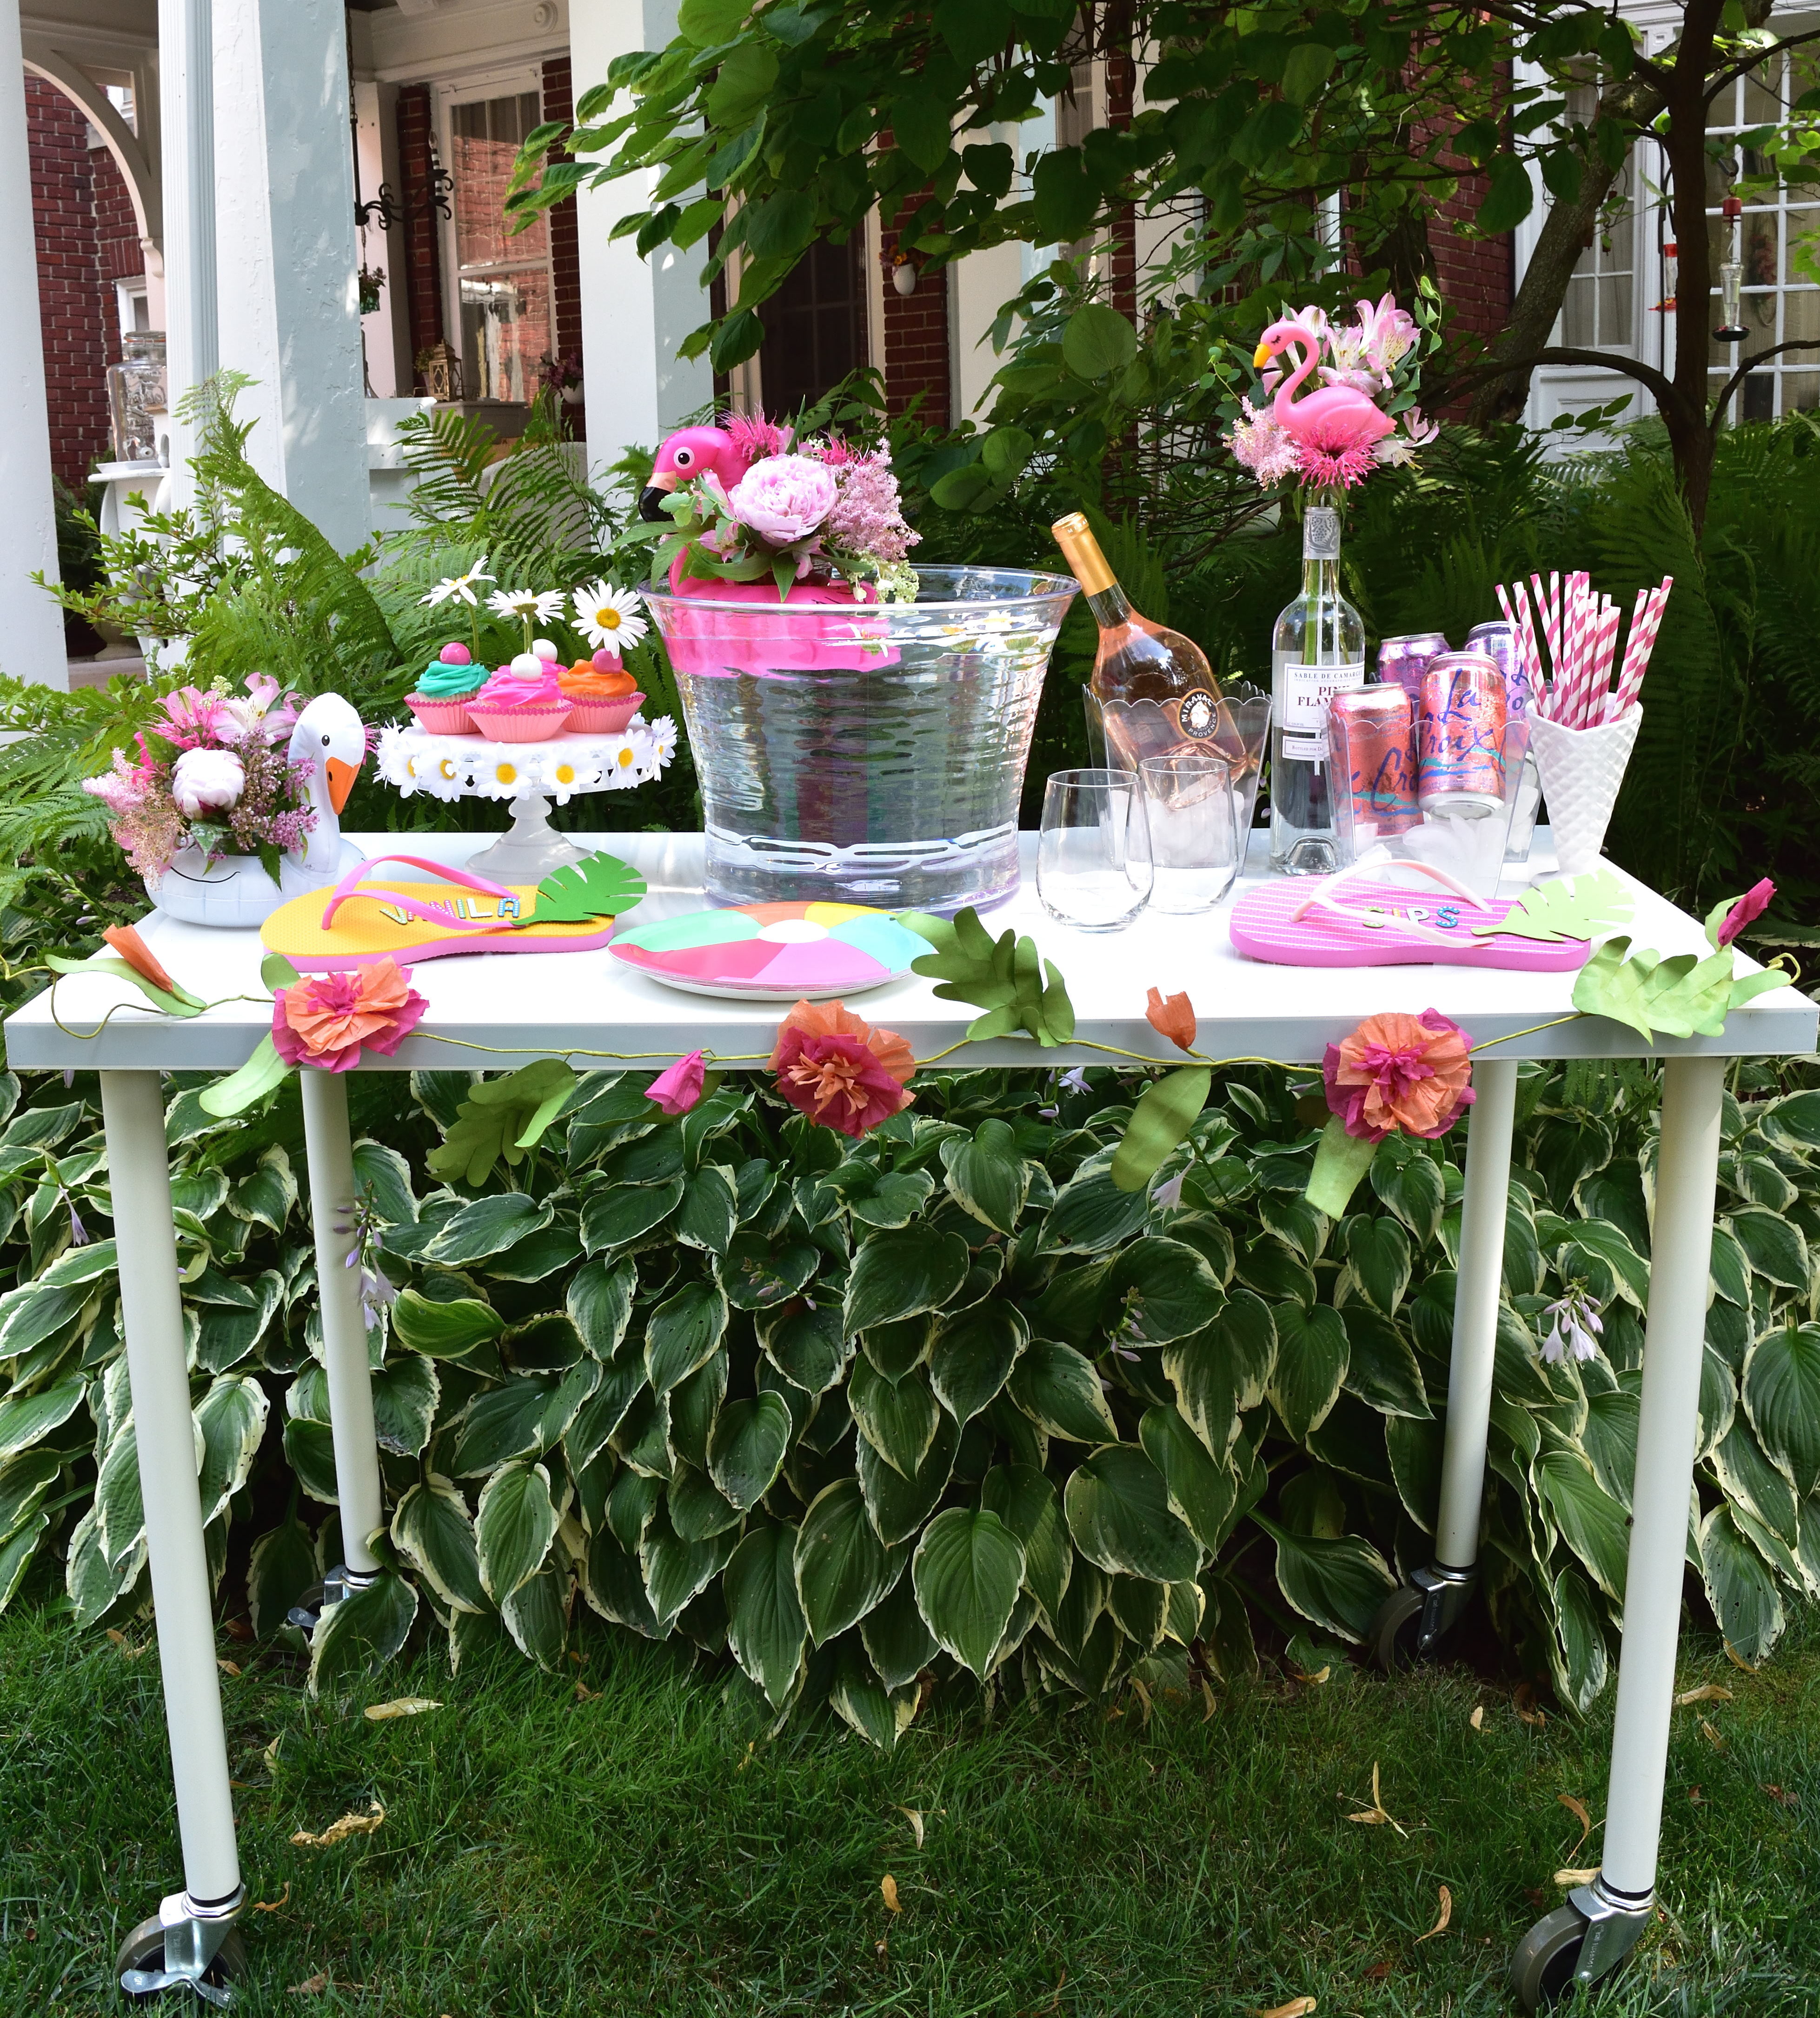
460	588
527	606
663	734
610	618
622	762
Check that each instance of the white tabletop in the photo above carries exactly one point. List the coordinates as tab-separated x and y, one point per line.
543	1005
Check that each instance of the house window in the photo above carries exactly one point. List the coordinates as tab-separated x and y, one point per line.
815	326
1781	247
1598	311
502	281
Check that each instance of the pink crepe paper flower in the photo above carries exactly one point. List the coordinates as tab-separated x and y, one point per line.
1396	1073
840	1071
325	1019
1749	908
678	1087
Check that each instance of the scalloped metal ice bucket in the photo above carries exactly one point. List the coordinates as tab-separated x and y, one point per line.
866	754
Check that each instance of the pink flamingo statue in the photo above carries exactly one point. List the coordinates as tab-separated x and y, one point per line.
1333	427
727	452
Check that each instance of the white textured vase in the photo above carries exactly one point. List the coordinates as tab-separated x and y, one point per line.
1582	770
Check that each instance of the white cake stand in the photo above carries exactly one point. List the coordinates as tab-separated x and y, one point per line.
528	776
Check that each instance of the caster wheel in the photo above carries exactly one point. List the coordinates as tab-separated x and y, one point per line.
1395	1629
1542	1969
300	1621
144	1949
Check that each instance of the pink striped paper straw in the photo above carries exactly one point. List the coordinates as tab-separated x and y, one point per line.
1519	619
1607	652
1642	643
1574	649
1551	613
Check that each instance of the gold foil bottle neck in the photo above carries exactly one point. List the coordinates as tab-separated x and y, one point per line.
1080	550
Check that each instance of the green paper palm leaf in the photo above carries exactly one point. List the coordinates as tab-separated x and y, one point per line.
601	886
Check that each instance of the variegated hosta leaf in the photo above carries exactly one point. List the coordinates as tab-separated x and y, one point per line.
1742	1593
1059	1389
747	1449
1338	1583
363	1632
431	1529
842	1568
898	1505
677	1571
1027	1501
1782	1396
92	1585
599	1303
988	1176
681	1332
898	1274
281	1568
766	1627
897	1417
967	1569
862	1701
231	1417
897	1638
1117	1506
973	1354
405	1394
513	1525
27	1419
1203	1491
537	1615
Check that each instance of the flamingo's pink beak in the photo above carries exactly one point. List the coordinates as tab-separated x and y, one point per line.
662	479
1262	356
341	781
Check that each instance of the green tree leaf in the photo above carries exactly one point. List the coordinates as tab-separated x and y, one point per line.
1096	340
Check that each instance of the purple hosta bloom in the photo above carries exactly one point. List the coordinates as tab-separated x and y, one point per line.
1169	1195
1047	1113
1574	1328
78	1232
1074	1080
1269	451
377	1294
868	513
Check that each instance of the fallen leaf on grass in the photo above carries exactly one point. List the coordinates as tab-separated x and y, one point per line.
1712	1736
229	1668
1578	1810
1737	1659
1441	1926
887	1888
1208	1697
311	1986
272	1905
1710	1692
1780	1793
1585	1877
1695	1795
126	1647
1143	1696
1379	1970
271	1753
914	1817
339	1831
584	1693
1478	1719
1297	2007
400	1706
1377	1812
1315	1679
1523	1703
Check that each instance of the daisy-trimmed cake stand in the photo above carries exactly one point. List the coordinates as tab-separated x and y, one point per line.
528	776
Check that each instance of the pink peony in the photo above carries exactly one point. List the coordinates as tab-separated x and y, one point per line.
325	1019
1749	908
207	781
784	498
678	1086
1411	1074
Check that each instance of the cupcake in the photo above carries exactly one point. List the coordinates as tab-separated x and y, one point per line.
604	697
440	703
521	703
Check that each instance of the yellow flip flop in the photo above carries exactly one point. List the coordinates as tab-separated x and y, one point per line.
368	918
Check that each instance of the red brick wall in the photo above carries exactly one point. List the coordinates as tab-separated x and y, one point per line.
423	255
1122	275
565	242
71	302
916	332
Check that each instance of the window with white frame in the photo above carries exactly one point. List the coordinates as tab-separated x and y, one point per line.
1598	311
501	281
1781	245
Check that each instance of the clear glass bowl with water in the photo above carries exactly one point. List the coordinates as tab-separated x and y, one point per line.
866	754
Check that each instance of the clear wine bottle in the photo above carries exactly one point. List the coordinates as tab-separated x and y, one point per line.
1317	651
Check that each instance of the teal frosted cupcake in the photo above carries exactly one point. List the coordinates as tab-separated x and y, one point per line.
449	683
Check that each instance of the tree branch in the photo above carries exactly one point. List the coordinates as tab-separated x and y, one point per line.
1745	65
1645	375
1750	365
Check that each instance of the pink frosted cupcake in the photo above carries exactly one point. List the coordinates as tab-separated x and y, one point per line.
521	703
440	703
603	696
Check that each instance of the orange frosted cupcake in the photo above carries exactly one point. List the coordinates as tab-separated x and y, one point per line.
602	696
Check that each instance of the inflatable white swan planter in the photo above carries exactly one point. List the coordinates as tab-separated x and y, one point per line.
234	890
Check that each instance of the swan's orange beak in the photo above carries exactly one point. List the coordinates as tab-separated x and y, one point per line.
1262	357
341	780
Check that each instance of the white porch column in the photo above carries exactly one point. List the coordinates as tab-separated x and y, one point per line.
186	155
31	625
634	312
289	295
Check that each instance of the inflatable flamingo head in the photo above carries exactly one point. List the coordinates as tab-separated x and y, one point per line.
691	452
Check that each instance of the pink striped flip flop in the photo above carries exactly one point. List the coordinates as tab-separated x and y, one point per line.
1291	923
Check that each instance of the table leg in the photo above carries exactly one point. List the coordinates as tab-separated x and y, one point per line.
1588	1937
329	1147
1411	1622
185	1940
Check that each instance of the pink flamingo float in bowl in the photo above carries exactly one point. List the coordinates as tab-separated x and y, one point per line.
1335	428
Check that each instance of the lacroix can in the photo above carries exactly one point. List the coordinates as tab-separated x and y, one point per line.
1461	735
1404	660
1371	732
1497	639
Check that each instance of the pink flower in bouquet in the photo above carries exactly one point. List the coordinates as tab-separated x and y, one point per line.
1386	333
1411	1074
784	498
206	781
1415	433
265	711
325	1019
867	516
678	1087
840	1071
123	787
1749	908
1269	452
192	718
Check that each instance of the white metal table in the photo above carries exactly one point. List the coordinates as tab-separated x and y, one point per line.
573	1005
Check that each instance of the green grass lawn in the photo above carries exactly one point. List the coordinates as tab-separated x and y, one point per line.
545	1850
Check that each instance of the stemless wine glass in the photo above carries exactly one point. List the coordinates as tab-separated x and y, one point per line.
1093	861
1194	845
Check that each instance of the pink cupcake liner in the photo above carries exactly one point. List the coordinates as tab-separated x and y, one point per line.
440	718
603	718
518	725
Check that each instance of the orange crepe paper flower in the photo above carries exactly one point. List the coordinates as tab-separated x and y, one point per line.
1172	1019
126	942
1411	1074
838	1070
325	1019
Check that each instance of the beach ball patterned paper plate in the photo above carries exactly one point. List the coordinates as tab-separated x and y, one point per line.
780	952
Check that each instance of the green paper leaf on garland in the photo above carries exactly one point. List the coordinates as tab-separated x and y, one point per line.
278	972
601	886
262	1073
1678	997
182	1004
1004	977
1166	1111
1340	1161
1569	907
504	1117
